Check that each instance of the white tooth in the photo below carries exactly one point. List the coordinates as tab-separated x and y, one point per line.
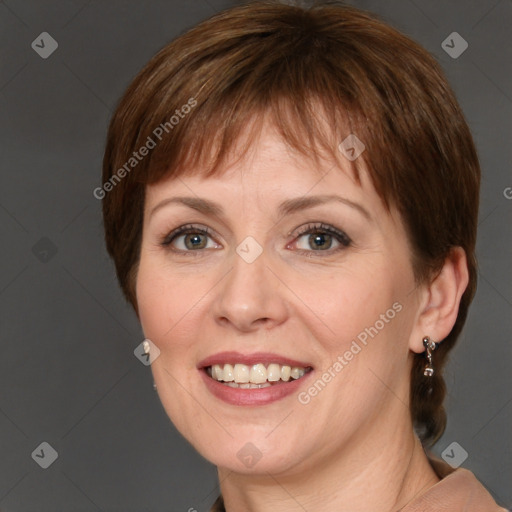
232	384
241	373
295	373
302	372
228	373
264	385
273	372
285	373
217	372
258	374
245	385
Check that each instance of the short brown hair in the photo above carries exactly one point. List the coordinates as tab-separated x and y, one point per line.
287	61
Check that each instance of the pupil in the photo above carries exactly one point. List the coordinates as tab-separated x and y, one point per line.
320	240
194	241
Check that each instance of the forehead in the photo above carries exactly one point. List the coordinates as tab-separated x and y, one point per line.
269	171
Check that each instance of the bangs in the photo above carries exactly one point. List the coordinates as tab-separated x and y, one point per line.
196	131
193	101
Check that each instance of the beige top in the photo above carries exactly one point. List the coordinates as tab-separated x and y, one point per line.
457	491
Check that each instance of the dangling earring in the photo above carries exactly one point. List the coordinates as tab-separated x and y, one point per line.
147	350
430	346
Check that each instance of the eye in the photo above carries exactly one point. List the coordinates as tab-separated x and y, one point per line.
189	238
321	238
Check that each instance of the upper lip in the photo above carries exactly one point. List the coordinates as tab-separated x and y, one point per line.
234	357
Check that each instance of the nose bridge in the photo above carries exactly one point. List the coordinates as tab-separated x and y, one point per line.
249	295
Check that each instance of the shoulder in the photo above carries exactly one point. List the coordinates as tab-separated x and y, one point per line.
458	490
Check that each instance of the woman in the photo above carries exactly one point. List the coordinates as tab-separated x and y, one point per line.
290	198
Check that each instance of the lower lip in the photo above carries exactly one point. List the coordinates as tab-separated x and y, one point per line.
255	396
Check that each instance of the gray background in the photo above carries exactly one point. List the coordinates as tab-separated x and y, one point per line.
68	375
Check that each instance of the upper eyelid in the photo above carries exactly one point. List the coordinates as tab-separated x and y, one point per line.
320	226
182	230
341	237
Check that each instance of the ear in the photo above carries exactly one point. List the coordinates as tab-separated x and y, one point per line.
439	301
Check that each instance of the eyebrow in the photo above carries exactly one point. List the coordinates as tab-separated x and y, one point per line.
287	207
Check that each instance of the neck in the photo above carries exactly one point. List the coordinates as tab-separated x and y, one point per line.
382	472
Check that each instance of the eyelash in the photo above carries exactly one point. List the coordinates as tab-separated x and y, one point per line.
185	230
312	228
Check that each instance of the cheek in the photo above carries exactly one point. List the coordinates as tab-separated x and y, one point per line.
344	304
360	322
166	302
167	310
152	301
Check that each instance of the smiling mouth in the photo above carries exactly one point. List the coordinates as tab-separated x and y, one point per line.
255	376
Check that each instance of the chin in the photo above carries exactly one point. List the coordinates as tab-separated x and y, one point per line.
249	450
249	459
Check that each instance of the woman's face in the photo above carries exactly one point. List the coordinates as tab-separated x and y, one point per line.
282	264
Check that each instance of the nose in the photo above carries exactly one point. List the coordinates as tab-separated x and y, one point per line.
250	296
